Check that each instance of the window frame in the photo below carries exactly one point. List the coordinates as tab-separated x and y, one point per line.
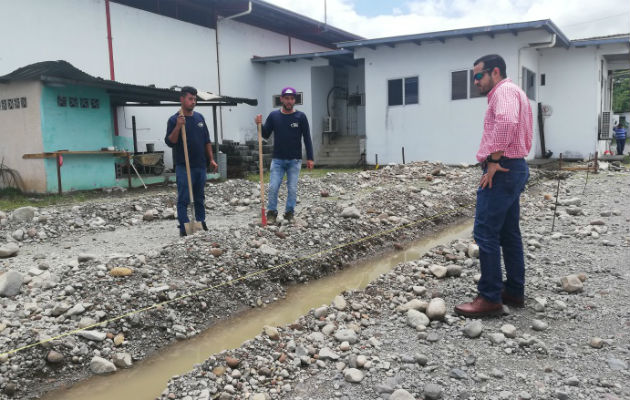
470	86
528	76
403	80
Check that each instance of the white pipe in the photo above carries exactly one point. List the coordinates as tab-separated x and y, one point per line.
248	11
552	43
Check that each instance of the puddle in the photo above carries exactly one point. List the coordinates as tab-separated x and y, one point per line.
148	378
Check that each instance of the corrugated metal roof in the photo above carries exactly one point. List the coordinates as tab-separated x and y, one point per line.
469	33
62	72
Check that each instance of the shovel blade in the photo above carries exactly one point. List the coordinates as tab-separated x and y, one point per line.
192	227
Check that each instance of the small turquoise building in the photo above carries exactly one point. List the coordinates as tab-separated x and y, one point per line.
52	108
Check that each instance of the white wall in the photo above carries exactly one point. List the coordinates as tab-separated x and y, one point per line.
21	133
356	84
43	30
437	128
572	90
153	49
238	43
302	75
322	80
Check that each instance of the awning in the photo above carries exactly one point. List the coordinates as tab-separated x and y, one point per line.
121	94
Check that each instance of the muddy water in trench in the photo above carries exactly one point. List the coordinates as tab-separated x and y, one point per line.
148	378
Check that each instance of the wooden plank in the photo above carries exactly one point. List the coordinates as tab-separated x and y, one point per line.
68	152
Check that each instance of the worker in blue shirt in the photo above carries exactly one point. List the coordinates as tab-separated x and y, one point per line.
290	127
620	138
199	155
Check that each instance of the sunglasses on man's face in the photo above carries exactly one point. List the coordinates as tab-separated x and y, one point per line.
479	75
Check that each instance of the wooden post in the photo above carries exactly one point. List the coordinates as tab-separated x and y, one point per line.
403	154
58	159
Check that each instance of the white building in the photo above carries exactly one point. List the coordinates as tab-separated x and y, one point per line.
419	94
204	43
378	96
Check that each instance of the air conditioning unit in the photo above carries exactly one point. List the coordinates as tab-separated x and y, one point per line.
605	125
330	124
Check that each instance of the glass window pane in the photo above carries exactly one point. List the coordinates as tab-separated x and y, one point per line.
394	92
474	92
459	85
411	90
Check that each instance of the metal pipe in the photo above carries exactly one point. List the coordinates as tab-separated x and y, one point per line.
109	42
135	136
58	159
403	154
216	134
555	208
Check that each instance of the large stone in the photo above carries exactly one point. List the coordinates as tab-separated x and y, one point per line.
266	249
439	271
10	283
9	250
571	284
413	304
346	335
353	375
95	336
401	394
101	366
351	212
328	354
23	214
415	319
436	309
473	329
339	303
54	357
122	360
272	332
473	250
432	391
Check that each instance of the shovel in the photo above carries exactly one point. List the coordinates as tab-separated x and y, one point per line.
194	225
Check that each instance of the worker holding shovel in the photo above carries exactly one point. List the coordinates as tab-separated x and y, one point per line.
188	135
289	127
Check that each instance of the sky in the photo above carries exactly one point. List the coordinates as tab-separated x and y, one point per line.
382	18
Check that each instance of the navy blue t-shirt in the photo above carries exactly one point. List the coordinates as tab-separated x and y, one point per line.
197	136
288	130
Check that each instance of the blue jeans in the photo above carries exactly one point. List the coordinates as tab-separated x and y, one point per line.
497	227
198	179
621	143
278	168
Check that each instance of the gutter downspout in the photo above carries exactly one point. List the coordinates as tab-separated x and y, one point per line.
216	37
552	43
110	47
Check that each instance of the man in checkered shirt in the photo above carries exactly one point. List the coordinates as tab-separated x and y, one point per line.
506	141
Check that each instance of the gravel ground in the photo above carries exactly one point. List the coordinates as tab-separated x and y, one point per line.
81	267
400	339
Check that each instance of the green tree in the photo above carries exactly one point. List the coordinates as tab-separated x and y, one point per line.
621	91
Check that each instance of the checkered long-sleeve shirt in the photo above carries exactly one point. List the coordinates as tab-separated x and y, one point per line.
508	123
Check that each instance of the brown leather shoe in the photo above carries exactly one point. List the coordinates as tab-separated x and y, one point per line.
479	307
512	301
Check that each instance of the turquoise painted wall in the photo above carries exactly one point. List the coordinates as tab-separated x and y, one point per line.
78	128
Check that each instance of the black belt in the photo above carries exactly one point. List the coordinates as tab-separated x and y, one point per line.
484	163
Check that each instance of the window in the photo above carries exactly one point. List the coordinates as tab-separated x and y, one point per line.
394	92
402	89
85	103
278	103
459	85
23	102
542	79
94	103
529	83
463	85
73	102
3	104
411	90
62	101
